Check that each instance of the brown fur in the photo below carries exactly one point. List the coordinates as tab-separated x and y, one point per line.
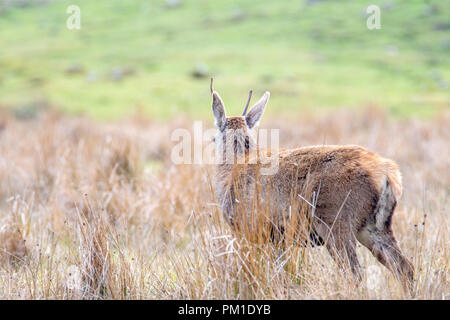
356	193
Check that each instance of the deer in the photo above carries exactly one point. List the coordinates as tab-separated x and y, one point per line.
356	190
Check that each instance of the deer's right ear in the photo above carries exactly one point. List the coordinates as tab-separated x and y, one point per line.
218	109
256	112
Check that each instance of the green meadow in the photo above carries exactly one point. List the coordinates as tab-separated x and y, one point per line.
156	57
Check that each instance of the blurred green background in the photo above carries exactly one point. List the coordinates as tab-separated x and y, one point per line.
157	56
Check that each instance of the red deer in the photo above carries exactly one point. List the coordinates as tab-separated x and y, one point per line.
358	189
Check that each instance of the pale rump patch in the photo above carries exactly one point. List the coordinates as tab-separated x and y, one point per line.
385	206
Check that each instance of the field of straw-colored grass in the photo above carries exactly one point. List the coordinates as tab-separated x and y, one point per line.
91	210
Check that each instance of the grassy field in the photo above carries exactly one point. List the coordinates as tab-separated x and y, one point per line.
91	205
85	214
151	56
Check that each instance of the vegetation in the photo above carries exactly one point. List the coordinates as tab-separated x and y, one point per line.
86	215
91	205
156	56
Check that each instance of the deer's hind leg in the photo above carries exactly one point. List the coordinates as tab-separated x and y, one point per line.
383	246
378	237
342	248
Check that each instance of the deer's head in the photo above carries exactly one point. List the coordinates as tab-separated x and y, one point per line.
236	135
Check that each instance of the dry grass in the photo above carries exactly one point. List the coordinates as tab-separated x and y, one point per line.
93	211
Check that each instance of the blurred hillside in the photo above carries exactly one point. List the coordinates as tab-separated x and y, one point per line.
157	56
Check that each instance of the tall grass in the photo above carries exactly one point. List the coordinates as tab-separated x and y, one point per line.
98	211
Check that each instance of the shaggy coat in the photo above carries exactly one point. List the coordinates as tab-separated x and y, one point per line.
352	191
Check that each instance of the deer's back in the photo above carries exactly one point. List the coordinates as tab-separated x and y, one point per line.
346	180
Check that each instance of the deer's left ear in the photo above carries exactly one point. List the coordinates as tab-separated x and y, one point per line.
256	112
